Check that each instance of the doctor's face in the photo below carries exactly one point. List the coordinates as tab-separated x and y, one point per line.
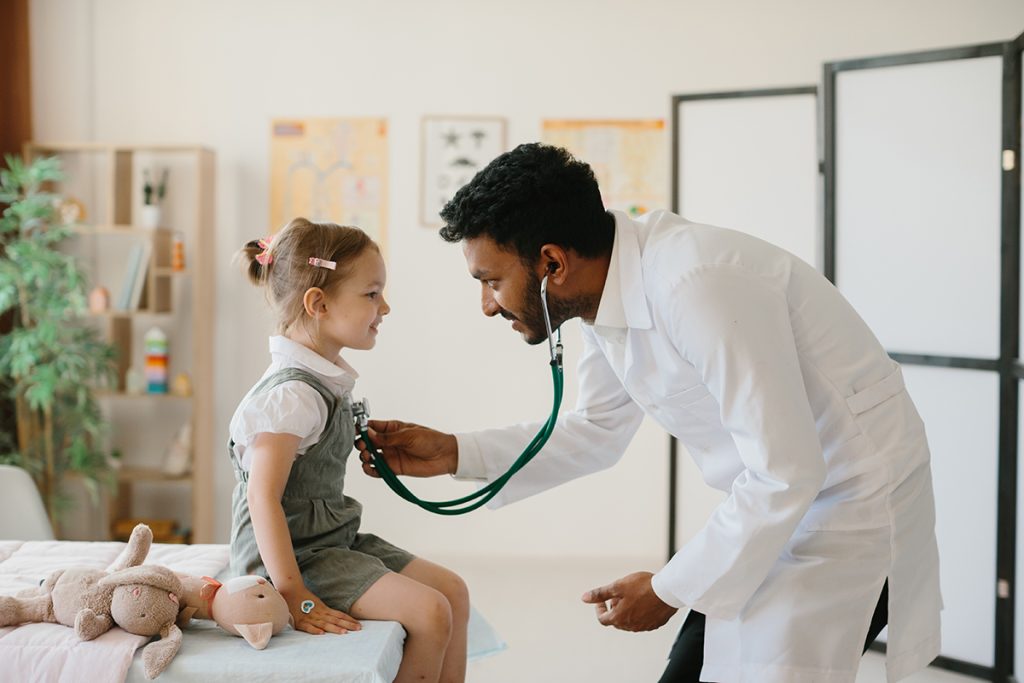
509	289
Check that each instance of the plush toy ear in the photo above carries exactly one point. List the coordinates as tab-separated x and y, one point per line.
158	655
208	590
144	575
257	635
135	552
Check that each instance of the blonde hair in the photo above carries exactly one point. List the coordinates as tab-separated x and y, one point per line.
288	275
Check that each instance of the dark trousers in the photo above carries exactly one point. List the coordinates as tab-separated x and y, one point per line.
687	657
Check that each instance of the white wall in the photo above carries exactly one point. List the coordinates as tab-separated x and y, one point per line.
215	73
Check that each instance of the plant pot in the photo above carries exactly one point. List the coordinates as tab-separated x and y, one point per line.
150	216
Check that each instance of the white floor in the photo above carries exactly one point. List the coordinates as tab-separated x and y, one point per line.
552	636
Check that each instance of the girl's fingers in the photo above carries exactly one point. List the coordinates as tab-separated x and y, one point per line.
309	627
326	623
341	619
348	622
332	628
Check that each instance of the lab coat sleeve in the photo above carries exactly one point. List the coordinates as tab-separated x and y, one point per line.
590	438
734	327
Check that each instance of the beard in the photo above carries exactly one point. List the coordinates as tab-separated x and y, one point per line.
532	312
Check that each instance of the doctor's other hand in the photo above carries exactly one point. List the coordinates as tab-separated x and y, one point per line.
410	449
630	604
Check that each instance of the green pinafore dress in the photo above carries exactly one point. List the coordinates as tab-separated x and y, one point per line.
338	564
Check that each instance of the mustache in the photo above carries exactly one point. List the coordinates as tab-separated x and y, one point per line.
507	316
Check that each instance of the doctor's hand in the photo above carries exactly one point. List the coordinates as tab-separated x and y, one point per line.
410	449
630	604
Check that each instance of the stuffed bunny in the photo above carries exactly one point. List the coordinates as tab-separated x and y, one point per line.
246	606
143	600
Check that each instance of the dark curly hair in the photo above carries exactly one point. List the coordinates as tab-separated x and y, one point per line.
534	195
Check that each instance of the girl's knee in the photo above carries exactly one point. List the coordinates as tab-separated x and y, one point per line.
432	614
457	593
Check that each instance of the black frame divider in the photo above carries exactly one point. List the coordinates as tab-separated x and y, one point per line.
673	445
1007	366
1009	351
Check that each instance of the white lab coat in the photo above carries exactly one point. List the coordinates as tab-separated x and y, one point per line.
786	401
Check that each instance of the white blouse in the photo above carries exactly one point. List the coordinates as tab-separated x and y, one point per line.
291	407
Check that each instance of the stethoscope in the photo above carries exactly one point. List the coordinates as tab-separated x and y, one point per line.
361	413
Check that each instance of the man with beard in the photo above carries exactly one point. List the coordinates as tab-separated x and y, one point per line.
783	396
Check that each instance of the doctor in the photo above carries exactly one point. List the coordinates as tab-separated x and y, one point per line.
782	395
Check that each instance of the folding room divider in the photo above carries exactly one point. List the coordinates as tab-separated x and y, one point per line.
920	199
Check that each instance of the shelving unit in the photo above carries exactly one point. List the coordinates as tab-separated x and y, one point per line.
107	181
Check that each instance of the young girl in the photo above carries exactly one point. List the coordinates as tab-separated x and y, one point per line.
290	438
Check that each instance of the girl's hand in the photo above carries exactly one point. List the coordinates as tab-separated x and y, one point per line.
321	619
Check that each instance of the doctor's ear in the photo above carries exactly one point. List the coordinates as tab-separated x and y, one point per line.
553	262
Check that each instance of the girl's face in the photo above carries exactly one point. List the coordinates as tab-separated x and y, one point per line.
356	306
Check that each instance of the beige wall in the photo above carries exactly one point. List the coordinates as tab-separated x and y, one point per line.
215	73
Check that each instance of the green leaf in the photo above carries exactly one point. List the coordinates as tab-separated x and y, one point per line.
51	358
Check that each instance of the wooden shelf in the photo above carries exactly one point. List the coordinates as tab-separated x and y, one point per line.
145	395
128	314
42	147
123	230
133	474
110	184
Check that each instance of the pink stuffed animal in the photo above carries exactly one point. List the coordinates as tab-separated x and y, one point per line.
246	606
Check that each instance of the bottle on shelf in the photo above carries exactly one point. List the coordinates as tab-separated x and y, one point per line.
156	361
178	252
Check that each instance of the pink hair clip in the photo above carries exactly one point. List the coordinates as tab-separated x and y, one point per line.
265	258
322	263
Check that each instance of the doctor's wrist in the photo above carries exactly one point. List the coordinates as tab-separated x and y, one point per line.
452	450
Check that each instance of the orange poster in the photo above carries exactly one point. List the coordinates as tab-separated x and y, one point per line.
629	158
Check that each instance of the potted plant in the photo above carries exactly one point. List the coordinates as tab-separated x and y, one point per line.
50	361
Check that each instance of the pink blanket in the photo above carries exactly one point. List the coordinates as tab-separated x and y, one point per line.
51	653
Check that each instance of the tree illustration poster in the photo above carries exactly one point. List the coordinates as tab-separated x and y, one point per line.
330	169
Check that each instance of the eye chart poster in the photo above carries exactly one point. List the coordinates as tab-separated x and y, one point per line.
454	149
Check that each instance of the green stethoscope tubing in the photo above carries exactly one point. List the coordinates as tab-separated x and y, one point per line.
483	495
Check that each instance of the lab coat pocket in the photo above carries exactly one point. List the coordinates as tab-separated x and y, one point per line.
886	415
687	397
866	399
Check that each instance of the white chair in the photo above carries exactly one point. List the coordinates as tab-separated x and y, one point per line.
22	515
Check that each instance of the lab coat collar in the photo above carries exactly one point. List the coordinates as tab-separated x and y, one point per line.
623	301
339	372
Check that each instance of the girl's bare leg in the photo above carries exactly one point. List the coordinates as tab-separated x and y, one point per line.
426	616
454	590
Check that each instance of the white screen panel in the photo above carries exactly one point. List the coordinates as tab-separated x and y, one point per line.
960	409
918	202
751	164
